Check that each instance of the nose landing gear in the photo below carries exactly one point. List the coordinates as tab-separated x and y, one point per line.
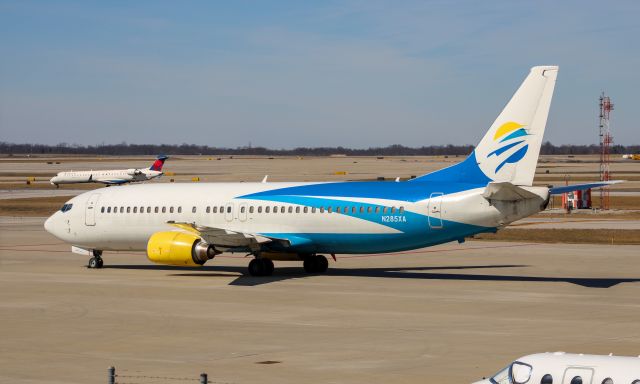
96	260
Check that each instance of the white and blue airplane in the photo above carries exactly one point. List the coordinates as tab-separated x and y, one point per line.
189	224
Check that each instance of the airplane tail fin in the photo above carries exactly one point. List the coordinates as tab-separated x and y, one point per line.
157	165
509	150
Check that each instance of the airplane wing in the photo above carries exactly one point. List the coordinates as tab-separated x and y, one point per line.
225	238
110	181
579	187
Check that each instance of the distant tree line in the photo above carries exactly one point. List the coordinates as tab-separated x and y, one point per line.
192	149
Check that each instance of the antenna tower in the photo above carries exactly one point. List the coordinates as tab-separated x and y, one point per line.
606	106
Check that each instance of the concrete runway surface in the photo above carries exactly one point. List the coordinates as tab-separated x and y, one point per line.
447	314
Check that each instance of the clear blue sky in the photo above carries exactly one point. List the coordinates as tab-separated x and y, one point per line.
299	73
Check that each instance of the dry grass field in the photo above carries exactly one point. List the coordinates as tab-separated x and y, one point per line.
31	206
575	236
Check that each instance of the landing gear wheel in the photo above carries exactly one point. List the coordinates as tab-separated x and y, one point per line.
268	267
323	264
316	264
95	262
309	264
256	267
261	267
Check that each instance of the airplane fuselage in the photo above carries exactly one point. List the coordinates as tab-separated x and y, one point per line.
345	217
114	176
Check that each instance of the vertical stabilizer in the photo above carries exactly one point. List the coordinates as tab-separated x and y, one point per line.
509	151
157	165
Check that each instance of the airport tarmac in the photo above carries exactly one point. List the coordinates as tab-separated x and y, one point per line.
31	193
447	314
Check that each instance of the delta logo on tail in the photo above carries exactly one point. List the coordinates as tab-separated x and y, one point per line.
510	135
157	165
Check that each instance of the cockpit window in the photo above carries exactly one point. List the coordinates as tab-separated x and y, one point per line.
516	373
502	377
521	372
66	207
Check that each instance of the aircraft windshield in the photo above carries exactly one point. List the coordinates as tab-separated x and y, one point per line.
66	207
516	373
502	377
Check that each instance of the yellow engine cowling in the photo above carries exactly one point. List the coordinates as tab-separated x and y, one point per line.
179	248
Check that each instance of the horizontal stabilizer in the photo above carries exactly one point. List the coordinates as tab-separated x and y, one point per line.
507	192
582	187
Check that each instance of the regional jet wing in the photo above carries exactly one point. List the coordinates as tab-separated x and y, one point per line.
108	181
225	238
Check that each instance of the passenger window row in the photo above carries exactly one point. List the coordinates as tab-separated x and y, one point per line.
306	209
257	209
141	209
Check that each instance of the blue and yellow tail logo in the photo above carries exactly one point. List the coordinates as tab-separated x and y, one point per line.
512	135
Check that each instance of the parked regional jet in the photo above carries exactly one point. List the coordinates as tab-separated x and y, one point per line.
566	368
188	224
113	176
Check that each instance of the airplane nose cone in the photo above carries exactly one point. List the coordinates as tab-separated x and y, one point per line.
48	225
51	226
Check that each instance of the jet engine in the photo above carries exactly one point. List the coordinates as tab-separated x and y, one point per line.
180	249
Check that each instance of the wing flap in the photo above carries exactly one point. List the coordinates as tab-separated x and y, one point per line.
223	237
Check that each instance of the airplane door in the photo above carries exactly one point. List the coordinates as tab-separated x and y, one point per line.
90	209
571	374
228	211
435	210
242	214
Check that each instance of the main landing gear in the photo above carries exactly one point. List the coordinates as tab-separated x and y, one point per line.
316	264
96	260
313	264
261	267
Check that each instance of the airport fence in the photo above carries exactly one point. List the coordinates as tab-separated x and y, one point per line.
138	378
